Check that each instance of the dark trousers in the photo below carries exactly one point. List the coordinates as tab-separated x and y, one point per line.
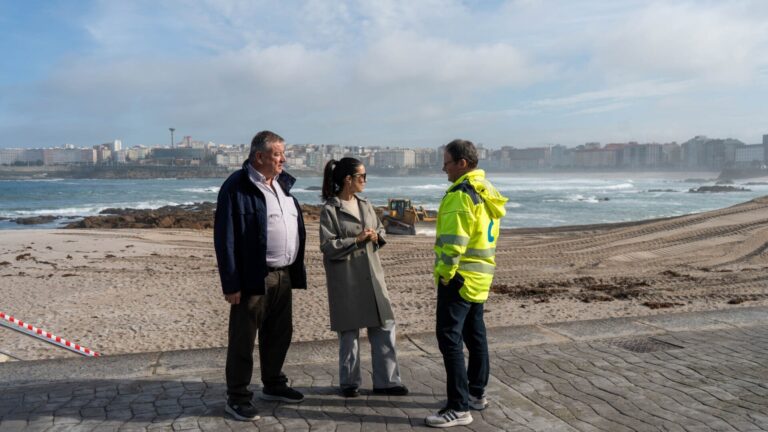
460	323
270	316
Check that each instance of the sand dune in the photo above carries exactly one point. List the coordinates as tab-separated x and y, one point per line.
119	291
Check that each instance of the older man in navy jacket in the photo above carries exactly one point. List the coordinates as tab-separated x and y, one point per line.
259	238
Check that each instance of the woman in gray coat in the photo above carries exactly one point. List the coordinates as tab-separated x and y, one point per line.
350	237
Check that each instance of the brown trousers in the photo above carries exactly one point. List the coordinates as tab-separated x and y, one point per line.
269	315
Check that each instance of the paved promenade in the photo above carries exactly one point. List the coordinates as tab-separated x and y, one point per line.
678	372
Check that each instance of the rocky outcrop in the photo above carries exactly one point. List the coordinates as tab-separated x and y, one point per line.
717	189
193	216
35	220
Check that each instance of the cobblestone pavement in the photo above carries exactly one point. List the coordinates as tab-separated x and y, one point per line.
688	372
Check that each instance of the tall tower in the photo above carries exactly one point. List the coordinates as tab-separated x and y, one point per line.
765	148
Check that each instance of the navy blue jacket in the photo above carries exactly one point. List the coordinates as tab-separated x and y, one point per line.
240	235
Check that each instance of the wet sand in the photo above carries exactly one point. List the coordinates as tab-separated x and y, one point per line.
135	290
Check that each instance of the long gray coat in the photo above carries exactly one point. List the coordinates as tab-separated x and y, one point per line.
357	293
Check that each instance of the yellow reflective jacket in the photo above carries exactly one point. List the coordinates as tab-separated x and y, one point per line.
467	230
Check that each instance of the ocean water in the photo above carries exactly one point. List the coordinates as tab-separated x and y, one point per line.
534	200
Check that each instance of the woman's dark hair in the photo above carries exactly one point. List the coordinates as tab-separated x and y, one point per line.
334	174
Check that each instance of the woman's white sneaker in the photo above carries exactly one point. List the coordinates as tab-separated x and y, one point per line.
447	417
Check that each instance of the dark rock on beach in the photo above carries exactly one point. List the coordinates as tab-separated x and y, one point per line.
192	216
35	220
195	216
717	189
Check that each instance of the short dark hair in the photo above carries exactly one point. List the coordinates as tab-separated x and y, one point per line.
261	141
462	149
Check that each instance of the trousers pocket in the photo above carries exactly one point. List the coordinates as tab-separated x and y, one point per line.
456	282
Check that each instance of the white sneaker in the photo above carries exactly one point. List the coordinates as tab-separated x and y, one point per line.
478	404
447	417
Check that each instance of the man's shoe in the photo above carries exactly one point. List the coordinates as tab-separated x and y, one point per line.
478	403
282	394
242	411
400	390
447	417
350	392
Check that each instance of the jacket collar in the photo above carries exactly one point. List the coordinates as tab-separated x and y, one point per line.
283	179
474	174
336	202
470	175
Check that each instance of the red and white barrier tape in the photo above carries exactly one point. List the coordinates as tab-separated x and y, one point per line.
29	329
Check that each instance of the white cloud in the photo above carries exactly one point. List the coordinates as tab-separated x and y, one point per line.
626	92
716	41
406	57
388	72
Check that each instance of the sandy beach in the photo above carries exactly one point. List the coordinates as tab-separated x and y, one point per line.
135	290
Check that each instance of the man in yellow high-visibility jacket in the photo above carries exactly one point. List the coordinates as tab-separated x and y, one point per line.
465	247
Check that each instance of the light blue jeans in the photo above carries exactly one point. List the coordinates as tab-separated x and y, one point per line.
386	372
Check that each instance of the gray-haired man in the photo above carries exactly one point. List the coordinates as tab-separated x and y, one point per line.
259	238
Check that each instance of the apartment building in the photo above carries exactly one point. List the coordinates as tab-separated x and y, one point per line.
396	158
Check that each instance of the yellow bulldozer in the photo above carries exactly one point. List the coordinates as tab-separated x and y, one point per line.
402	218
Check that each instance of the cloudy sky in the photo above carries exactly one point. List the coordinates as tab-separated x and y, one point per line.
410	73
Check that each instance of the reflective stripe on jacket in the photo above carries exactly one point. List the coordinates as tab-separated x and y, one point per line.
467	231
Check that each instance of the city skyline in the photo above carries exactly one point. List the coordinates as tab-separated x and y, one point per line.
525	73
186	141
696	153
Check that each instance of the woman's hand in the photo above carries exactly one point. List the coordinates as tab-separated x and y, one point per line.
362	237
367	234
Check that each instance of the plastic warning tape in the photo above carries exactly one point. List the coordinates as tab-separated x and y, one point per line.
30	330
